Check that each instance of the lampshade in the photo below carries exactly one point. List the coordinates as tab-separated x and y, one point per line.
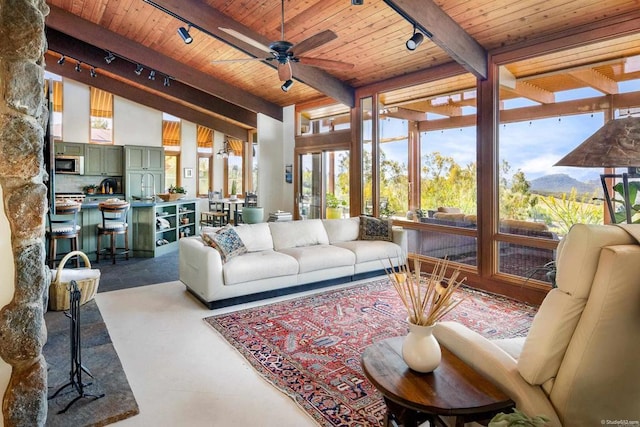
616	144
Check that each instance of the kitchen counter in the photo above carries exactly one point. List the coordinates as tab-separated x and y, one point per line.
93	202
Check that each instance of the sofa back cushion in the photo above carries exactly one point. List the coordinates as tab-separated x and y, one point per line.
342	230
293	234
256	237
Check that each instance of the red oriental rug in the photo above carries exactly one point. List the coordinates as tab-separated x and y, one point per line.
310	347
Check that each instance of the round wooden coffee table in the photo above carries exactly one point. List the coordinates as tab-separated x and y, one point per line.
452	389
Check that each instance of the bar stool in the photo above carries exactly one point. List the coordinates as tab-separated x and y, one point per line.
63	224
114	222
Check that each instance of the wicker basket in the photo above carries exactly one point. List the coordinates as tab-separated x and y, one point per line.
170	197
86	278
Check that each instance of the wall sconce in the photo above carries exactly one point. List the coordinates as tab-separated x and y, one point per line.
614	145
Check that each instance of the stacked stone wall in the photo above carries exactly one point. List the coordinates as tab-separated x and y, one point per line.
23	117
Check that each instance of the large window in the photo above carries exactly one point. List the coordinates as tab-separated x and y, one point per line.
171	136
54	93
234	167
205	160
101	117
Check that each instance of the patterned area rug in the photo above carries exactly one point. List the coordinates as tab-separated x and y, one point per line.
310	347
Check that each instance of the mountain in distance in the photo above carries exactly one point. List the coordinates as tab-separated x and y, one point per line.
562	183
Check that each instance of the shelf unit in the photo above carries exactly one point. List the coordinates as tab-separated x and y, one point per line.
158	228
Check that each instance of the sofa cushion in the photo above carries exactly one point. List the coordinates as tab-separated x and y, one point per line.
257	266
226	241
375	229
293	234
320	257
447	209
372	250
342	230
256	237
450	216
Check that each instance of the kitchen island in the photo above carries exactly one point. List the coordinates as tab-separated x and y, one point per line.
154	226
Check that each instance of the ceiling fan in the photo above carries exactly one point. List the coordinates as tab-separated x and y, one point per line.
282	51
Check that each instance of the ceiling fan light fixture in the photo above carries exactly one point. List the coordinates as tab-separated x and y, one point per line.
184	34
287	85
416	40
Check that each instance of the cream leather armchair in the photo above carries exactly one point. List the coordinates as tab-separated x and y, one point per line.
580	363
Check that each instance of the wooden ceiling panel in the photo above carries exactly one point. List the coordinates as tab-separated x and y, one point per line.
371	36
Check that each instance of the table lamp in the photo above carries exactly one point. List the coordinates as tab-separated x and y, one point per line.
614	145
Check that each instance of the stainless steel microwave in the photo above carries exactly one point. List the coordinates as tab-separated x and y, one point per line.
73	165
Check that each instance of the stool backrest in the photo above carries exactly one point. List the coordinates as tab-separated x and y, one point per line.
251	199
64	220
114	214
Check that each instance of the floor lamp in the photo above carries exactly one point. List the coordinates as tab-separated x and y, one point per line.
614	145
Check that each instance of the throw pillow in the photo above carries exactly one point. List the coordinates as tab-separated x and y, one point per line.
375	229
226	241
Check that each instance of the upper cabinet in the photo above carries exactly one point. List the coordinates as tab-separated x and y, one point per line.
103	160
69	149
144	158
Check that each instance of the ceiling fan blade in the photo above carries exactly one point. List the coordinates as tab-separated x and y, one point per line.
325	63
284	71
245	39
314	41
222	61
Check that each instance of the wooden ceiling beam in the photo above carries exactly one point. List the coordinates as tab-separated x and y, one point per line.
210	20
95	35
596	80
402	113
445	32
148	99
527	90
91	55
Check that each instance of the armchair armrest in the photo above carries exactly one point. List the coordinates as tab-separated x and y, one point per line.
497	366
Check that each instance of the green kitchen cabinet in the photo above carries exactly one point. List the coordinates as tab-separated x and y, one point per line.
69	149
144	158
138	184
103	160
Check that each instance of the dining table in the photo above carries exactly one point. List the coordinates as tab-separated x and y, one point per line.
231	205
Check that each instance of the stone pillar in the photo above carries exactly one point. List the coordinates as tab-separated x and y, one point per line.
23	115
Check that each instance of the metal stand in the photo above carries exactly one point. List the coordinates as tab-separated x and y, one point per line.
75	373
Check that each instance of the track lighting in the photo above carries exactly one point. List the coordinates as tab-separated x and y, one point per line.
286	85
167	81
184	34
109	58
152	75
78	69
92	72
139	69
415	40
61	60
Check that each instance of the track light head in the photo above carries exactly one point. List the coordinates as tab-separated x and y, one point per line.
167	81
92	72
61	60
415	40
152	75
78	68
109	58
139	69
287	85
184	34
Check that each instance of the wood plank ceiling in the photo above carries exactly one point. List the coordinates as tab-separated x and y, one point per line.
371	37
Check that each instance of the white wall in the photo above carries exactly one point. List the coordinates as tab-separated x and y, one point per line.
76	105
271	184
7	285
289	145
135	124
189	155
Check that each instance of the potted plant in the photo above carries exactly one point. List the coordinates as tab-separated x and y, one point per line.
232	194
90	189
333	206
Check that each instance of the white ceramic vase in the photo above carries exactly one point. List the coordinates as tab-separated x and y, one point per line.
420	349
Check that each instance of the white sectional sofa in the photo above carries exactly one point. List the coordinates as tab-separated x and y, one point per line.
285	257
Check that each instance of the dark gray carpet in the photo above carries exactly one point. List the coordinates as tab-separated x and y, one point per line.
100	358
137	272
